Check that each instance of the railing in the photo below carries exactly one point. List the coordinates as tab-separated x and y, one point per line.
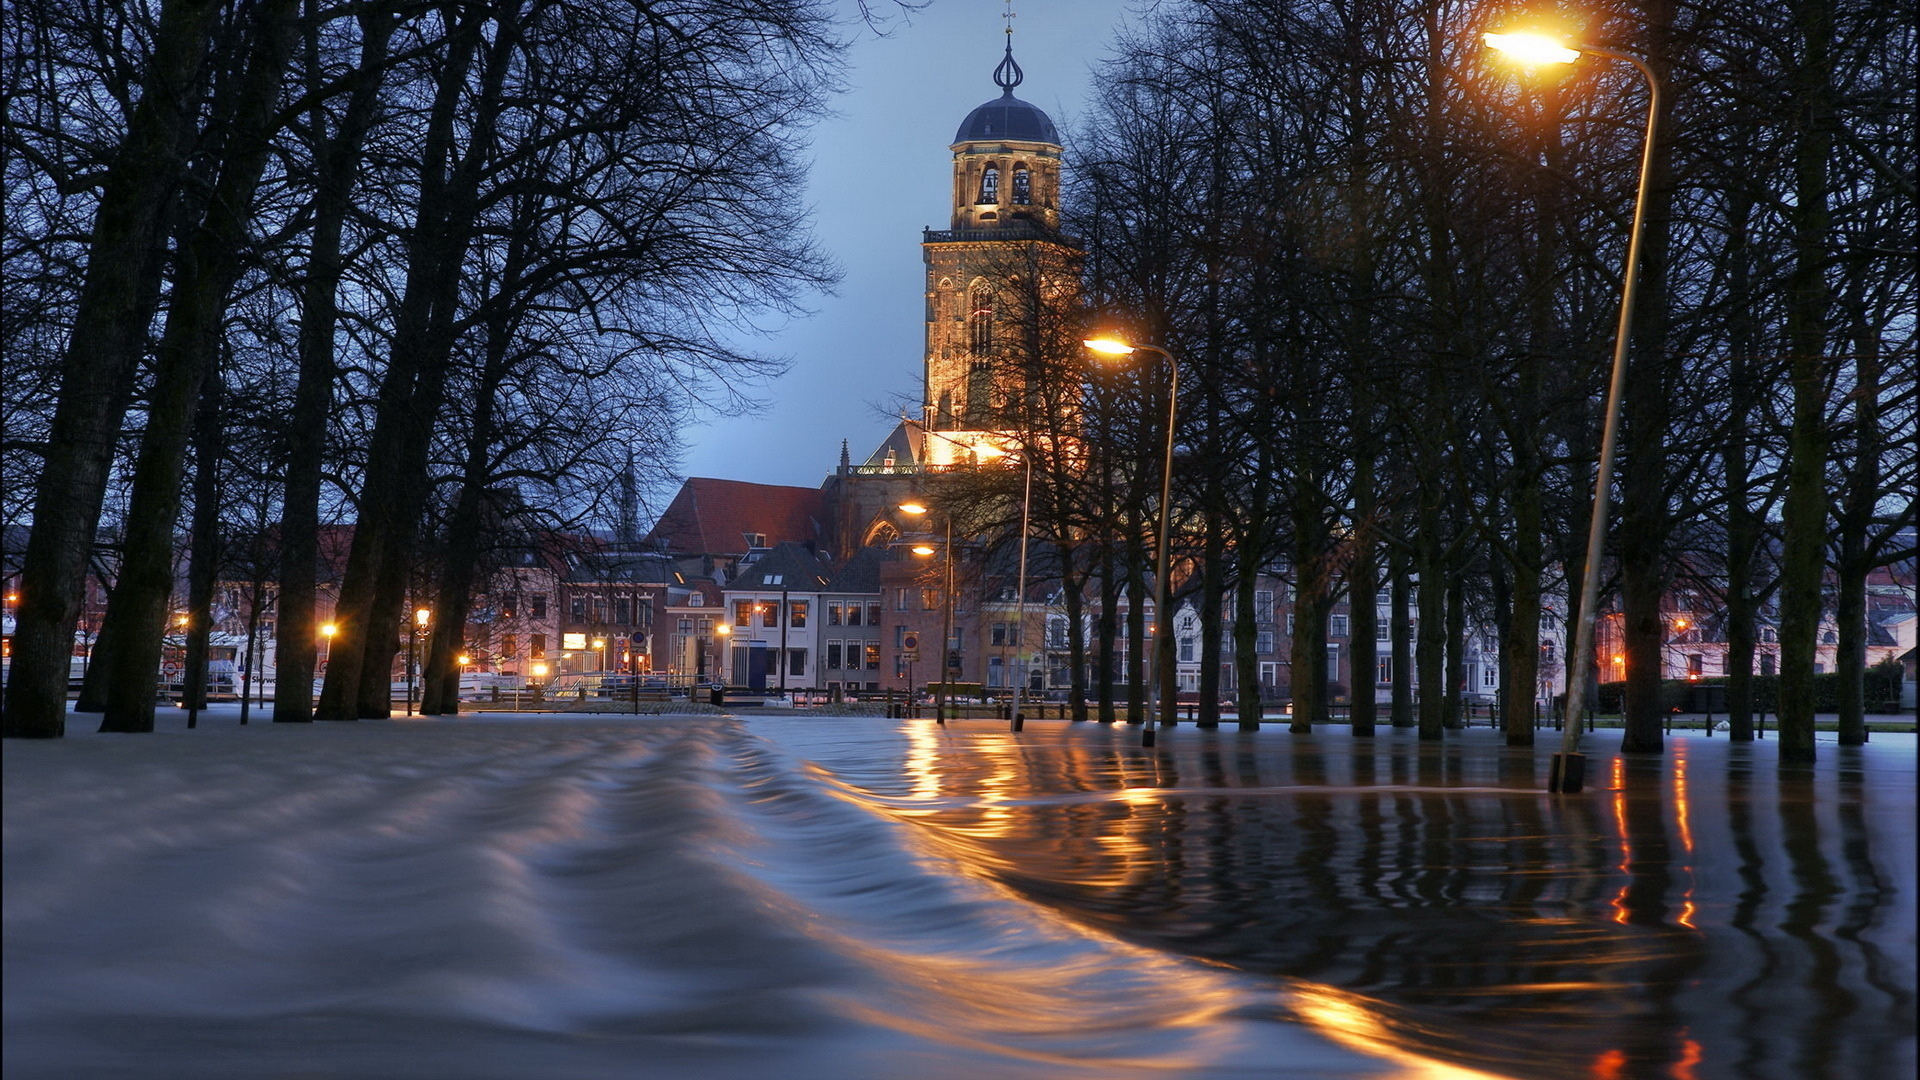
1012	231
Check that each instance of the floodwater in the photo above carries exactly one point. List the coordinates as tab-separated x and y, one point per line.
855	897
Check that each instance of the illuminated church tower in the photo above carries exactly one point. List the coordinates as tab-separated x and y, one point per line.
987	272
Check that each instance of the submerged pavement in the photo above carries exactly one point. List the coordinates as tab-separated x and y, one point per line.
849	897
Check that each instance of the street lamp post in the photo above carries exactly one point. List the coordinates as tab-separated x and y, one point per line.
1568	772
946	614
1019	672
420	617
1163	585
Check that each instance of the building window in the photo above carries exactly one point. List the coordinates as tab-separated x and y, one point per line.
696	600
873	656
996	672
853	615
796	661
1766	664
1333	663
873	616
1263	643
1337	626
1263	605
537	607
833	615
509	648
1769	635
1186	650
742	612
1289	624
833	656
980	321
929	599
1022	186
1383	670
620	611
797	614
998	635
1056	631
1269	674
1696	664
900	637
510	606
990	185
1382	624
900	598
578	609
537	646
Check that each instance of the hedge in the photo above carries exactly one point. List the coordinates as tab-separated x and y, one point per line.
1882	692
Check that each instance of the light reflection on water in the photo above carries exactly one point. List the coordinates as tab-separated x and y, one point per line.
1696	916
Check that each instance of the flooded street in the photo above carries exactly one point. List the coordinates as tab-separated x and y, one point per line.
853	897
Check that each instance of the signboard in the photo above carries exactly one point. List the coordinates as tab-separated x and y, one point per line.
573	641
910	641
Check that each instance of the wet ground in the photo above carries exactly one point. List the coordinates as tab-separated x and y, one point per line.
855	897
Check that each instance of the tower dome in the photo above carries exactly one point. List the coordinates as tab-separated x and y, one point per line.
1007	117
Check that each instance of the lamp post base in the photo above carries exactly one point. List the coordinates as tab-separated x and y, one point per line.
1146	735
1568	774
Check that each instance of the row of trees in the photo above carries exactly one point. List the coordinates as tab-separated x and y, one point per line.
1389	266
425	265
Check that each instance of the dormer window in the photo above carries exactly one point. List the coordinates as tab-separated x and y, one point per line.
775	579
755	540
990	185
1022	186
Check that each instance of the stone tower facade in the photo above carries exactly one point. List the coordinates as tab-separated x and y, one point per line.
1002	256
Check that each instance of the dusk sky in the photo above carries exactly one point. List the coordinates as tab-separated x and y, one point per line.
882	172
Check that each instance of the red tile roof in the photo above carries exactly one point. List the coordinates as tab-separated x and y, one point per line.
712	517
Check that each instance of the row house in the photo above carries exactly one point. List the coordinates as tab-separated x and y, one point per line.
607	601
773	618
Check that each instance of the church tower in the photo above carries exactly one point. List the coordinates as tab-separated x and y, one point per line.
1002	256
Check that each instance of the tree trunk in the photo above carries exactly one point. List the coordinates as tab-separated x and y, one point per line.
1213	589
209	264
1246	634
1402	633
337	162
109	335
1431	631
1109	630
1804	515
1363	588
205	556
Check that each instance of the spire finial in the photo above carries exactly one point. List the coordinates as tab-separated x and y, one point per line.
1008	75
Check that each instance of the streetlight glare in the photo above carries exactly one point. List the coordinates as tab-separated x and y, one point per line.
421	615
922	549
1110	346
329	630
1531	48
912	508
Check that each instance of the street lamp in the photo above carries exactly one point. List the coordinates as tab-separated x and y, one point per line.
420	617
1568	772
946	613
1163	585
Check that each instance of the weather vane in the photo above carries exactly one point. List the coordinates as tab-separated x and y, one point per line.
1010	16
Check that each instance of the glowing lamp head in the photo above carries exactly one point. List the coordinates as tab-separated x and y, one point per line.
540	671
463	660
923	549
1533	49
1109	346
421	615
724	629
913	508
329	630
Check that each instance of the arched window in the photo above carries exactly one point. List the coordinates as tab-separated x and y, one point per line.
980	316
1022	186
990	185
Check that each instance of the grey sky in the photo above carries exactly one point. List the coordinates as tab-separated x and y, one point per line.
882	173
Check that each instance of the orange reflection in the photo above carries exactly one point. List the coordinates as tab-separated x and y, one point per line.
1690	1056
1354	1022
1626	847
1682	813
1608	1065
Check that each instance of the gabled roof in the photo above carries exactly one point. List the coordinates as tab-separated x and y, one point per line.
903	442
713	517
787	566
860	574
622	567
